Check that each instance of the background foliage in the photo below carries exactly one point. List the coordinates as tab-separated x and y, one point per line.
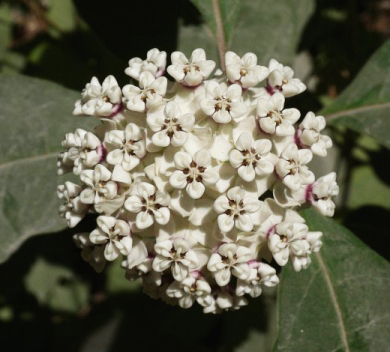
49	49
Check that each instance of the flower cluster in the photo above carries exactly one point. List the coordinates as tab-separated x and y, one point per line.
195	181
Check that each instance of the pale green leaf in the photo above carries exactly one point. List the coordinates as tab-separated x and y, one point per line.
340	303
365	105
35	115
5	29
56	286
63	14
268	28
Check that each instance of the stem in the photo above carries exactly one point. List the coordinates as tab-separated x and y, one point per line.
221	43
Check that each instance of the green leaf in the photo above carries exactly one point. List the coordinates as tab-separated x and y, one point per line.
271	28
5	29
229	10
365	105
63	14
35	115
56	286
268	28
340	302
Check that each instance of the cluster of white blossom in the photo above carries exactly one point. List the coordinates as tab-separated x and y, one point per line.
195	181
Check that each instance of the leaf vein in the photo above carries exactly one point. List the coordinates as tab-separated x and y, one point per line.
333	296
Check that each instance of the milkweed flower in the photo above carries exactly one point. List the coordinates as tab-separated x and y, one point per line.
196	180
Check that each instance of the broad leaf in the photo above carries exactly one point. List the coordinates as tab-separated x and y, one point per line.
56	286
268	28
271	28
340	302
63	14
34	117
228	9
365	105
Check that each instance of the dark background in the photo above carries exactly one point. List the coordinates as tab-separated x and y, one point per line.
340	37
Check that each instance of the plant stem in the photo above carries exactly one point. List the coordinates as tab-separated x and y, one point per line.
221	43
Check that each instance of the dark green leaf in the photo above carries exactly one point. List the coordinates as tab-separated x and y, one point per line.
365	105
34	117
340	303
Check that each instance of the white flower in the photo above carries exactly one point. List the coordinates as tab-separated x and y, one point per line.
303	261
245	70
171	127
272	117
149	94
194	173
175	173
235	210
91	253
99	99
73	210
288	239
292	169
139	270
250	157
100	187
230	259
261	274
314	239
190	290
82	150
224	300
300	262
114	234
155	63
223	103
139	256
281	79
322	192
309	134
190	72
126	147
149	205
177	255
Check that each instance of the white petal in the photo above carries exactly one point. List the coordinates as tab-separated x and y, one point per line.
195	189
225	222
178	180
144	220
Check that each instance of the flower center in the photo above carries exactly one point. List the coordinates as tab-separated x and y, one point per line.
171	125
194	172
130	147
251	157
149	204
276	116
236	209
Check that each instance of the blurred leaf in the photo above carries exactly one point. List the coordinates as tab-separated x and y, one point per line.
338	303
366	188
63	14
269	28
5	29
117	283
365	105
12	62
34	115
229	10
56	287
